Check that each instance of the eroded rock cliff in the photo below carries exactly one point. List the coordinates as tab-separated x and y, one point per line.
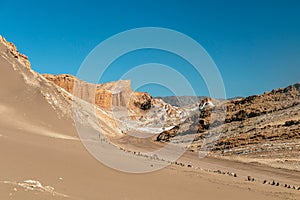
106	95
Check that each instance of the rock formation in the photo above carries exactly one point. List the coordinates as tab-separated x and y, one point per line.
259	126
106	95
252	106
12	49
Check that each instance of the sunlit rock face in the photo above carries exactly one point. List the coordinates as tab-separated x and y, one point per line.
106	96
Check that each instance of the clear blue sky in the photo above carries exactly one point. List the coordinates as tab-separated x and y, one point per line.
255	44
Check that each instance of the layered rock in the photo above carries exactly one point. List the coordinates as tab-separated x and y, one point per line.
262	128
117	94
252	106
255	126
288	130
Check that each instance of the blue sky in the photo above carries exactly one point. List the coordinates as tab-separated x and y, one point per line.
255	44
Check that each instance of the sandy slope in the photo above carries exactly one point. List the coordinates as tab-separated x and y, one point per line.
48	159
39	142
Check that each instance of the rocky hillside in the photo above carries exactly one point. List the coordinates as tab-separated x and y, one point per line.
264	127
269	102
271	117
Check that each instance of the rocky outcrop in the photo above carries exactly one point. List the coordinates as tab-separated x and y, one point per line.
108	95
205	108
64	81
261	135
84	90
166	136
246	121
14	51
252	106
262	126
196	123
142	100
259	125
